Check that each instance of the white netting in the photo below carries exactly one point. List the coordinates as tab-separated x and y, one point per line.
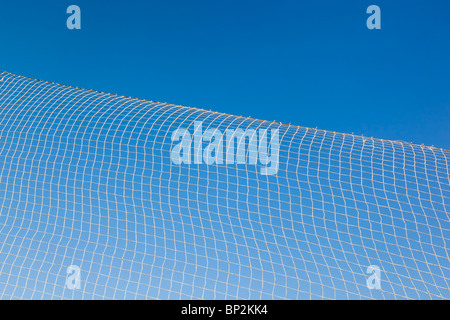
88	187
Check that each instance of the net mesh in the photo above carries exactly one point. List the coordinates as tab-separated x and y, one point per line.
93	206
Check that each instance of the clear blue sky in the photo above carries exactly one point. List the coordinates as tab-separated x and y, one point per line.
77	188
310	63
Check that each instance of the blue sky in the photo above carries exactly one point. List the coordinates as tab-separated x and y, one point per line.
310	63
145	227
